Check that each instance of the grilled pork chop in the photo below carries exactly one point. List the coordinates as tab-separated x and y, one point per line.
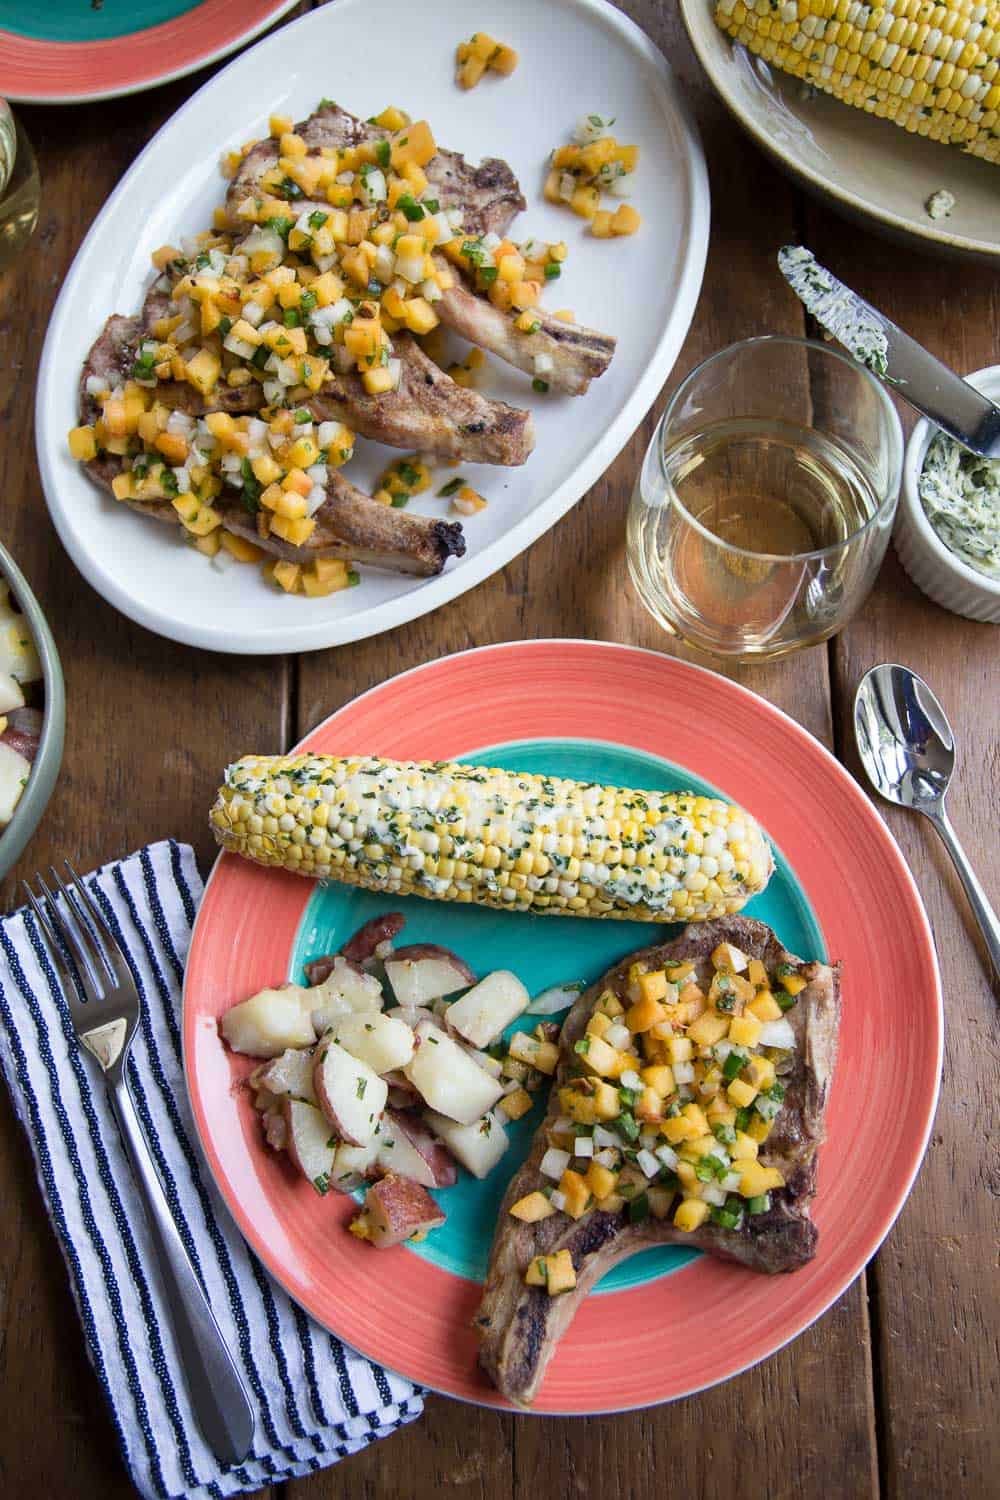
519	1325
578	354
489	198
428	412
488	195
349	524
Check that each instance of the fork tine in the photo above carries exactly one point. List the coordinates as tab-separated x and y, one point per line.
113	952
91	939
72	944
65	973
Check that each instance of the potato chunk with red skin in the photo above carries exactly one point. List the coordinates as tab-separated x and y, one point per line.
396	1209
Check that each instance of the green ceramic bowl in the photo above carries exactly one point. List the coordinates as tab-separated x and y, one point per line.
41	782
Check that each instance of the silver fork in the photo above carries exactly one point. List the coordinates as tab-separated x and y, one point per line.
105	1009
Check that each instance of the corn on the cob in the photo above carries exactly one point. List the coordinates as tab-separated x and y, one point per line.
497	838
934	69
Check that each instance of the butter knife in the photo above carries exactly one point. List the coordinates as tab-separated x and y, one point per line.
892	355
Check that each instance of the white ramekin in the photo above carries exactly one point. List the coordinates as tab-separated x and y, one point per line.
936	570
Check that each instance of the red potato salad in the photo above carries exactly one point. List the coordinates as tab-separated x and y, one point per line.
388	1069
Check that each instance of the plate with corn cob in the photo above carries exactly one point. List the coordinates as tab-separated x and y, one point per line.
776	830
238	330
859	102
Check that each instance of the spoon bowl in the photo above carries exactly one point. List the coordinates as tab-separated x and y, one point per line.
904	739
907	749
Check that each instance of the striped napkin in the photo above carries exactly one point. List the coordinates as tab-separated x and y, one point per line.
315	1400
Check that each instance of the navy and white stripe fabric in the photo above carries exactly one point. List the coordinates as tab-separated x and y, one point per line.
316	1400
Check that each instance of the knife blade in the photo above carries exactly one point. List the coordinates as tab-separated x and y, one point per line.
892	355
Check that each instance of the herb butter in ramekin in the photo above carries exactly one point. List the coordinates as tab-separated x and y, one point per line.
947	532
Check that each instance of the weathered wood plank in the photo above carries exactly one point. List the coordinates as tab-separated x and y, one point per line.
936	1278
149	725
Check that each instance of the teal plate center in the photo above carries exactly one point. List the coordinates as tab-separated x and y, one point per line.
542	951
85	21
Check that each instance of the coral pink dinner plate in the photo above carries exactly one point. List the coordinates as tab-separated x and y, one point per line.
71	51
669	1322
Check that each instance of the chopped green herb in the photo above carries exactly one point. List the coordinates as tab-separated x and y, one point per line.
409	206
760	1204
317	218
290	188
252	487
260	356
307	301
225	324
383	153
582	1046
407	473
539	385
303	415
400	502
451	488
431	205
322	1183
281	226
628	1126
734	1063
638	1209
553	270
291	318
362	1086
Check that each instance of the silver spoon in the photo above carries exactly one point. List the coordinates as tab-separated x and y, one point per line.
908	752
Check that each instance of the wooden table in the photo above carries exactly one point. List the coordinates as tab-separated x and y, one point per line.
895	1390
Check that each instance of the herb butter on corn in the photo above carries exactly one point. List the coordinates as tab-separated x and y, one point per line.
454	832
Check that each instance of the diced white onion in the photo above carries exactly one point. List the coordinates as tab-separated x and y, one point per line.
240	347
561	1125
604	1137
256	430
315	499
430	290
583	1145
617	1035
721	1050
589	128
554	1163
183	477
621	187
318	474
716	1195
326	432
183	332
230	463
96	385
345	178
777	1034
648	1138
410	267
264	240
396	372
455	217
492	240
567	186
606	1158
630	1079
444	229
223	560
180	422
384	264
274	391
551	1001
731	1182
373	186
648	1163
558	1201
668	1156
324	262
683	1072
